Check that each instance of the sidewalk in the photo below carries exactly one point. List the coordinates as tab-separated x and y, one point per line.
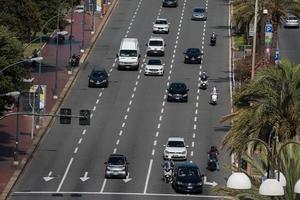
8	172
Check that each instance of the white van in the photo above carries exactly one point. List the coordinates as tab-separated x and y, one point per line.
129	54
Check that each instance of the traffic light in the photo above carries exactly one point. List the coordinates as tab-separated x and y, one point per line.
65	119
243	164
85	117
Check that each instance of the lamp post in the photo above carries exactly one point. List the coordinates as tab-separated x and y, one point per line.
55	95
254	40
272	186
83	27
19	62
71	38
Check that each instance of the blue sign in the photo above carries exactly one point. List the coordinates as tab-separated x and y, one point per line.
268	28
277	57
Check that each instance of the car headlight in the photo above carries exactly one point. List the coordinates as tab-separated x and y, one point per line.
186	57
199	57
169	94
179	183
184	152
92	81
184	95
200	183
146	69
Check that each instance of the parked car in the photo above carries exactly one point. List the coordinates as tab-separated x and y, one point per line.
170	3
154	67
291	22
161	26
199	13
177	91
98	78
175	149
116	166
156	46
193	55
187	178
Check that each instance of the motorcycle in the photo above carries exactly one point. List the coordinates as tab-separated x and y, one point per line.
213	99
168	173
74	61
203	85
213	40
212	163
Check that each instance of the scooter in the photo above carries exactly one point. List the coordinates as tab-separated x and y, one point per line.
203	85
74	61
168	175
213	41
212	164
213	99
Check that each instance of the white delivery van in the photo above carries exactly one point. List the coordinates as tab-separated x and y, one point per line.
129	54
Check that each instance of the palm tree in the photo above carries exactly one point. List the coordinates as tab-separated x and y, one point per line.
269	102
289	158
278	10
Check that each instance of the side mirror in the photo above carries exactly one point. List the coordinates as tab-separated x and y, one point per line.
139	55
146	44
105	163
187	90
187	146
117	55
88	76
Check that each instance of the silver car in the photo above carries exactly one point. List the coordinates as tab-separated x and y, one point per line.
291	22
116	166
199	13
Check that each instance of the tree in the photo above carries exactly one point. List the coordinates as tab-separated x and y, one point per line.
269	102
21	17
288	160
11	51
278	10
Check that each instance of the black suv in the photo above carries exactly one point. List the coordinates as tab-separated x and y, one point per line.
193	55
116	166
177	92
170	3
98	78
187	178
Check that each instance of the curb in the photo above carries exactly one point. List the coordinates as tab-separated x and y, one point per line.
48	123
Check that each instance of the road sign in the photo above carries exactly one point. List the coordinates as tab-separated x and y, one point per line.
268	28
277	56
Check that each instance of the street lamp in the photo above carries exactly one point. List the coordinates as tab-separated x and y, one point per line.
254	40
19	62
83	28
271	186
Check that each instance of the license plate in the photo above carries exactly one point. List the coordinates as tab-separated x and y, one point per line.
177	97
190	187
97	82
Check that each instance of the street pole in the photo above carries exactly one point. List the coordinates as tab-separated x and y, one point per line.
71	38
254	41
56	56
93	17
16	152
83	27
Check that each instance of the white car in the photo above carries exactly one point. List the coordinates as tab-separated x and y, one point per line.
161	26
175	149
156	46
154	67
291	22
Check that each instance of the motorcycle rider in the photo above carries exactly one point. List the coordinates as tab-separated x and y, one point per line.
213	38
168	167
74	60
213	156
203	76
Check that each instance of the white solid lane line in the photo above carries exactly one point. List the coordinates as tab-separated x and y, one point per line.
148	176
103	186
65	175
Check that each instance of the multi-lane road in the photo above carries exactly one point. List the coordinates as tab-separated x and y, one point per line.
132	116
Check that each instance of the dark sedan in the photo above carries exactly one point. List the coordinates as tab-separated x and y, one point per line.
187	178
98	78
193	55
177	92
169	3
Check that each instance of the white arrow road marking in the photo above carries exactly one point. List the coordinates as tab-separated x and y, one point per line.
209	183
127	179
49	177
85	177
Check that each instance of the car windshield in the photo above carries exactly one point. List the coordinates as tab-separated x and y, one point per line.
188	172
199	10
175	144
116	161
97	74
128	53
292	18
155	43
154	62
193	51
161	22
177	87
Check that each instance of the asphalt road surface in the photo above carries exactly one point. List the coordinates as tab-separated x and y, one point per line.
289	42
132	116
